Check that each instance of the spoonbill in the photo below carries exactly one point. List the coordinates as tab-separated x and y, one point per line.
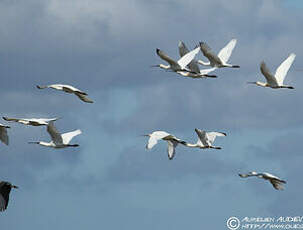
68	89
276	81
177	66
195	71
3	134
221	59
5	189
206	139
172	141
276	182
31	121
58	140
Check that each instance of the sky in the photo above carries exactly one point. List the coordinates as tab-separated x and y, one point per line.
111	181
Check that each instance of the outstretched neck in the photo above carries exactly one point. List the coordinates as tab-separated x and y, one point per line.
263	84
162	66
203	63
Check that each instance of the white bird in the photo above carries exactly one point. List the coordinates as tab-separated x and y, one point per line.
68	89
195	71
3	134
206	139
31	121
276	182
58	140
221	59
276	81
177	66
172	141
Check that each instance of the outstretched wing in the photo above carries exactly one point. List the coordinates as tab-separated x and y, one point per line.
166	58
10	119
83	98
154	137
225	52
209	54
277	184
187	58
3	135
211	136
53	132
283	68
207	71
171	145
67	137
267	74
201	137
183	50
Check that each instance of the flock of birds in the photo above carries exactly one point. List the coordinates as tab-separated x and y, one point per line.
58	140
186	66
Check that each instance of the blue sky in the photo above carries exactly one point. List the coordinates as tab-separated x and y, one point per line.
111	181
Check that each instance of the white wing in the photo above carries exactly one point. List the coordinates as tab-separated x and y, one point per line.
67	137
271	80
225	52
171	148
283	68
206	71
183	50
211	136
53	132
154	137
187	58
3	135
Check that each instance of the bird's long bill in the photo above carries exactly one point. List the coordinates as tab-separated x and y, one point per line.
251	82
33	142
144	135
152	66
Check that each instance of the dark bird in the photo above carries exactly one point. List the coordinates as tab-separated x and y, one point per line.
5	189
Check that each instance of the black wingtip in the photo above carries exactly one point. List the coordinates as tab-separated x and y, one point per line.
4	118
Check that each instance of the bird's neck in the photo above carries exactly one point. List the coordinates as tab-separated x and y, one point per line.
162	66
203	63
261	84
47	144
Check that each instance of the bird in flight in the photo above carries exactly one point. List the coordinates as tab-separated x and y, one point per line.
276	182
172	141
206	139
195	71
69	89
5	189
58	140
31	121
276	81
221	59
3	133
177	66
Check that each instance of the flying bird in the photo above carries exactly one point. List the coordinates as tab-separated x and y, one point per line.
221	59
276	182
276	81
206	139
58	140
177	66
69	89
195	71
5	189
3	134
31	121
172	141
